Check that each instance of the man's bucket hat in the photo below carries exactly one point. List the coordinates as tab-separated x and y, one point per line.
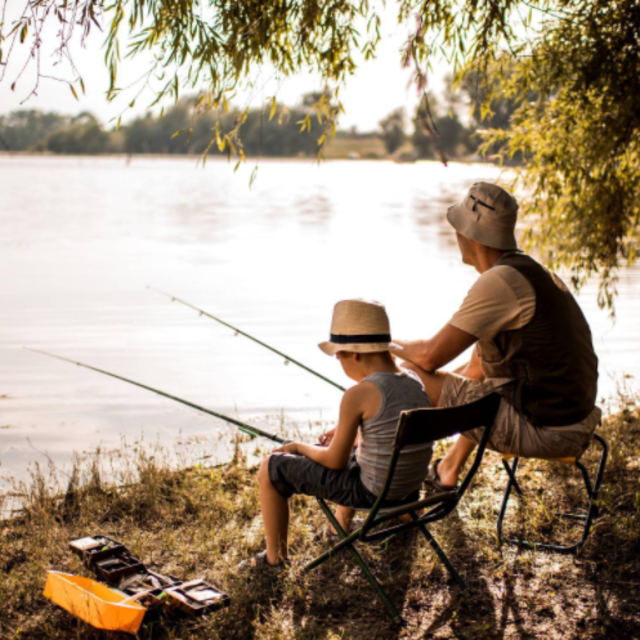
488	214
359	326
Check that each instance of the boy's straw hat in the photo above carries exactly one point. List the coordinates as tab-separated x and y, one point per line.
359	326
488	214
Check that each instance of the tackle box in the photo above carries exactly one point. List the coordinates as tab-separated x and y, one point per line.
115	565
197	596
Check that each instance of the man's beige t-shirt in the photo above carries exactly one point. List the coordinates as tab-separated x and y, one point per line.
501	299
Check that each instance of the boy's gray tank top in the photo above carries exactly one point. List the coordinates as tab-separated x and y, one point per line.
400	392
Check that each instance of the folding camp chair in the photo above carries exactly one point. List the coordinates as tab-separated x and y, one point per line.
592	496
416	427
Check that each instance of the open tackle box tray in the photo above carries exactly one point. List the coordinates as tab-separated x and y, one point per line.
109	559
149	588
197	596
95	548
115	565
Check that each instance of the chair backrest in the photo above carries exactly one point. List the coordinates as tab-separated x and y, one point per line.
428	425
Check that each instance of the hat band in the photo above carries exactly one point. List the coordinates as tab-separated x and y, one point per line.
360	339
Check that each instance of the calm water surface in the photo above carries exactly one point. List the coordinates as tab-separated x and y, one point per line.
80	239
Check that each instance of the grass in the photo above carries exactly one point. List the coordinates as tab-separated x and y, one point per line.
201	522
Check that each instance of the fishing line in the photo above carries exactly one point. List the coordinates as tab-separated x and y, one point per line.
245	428
287	359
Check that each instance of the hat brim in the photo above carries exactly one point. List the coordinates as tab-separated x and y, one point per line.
331	348
461	220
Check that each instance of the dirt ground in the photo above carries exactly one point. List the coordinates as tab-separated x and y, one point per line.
202	522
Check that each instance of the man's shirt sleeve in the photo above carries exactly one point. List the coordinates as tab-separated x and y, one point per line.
501	299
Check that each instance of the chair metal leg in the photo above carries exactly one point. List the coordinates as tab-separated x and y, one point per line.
592	492
441	554
592	509
356	557
511	483
511	472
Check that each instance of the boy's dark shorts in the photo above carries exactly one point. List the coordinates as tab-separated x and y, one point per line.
291	474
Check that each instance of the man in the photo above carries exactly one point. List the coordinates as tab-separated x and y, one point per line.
532	345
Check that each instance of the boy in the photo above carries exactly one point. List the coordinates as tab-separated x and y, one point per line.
369	412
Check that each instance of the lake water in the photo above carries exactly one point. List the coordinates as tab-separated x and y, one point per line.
81	238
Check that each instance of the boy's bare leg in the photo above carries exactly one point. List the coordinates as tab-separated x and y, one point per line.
344	515
275	515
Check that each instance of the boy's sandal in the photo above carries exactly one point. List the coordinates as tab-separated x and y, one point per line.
433	481
260	565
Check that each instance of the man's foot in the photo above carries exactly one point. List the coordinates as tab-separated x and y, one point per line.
435	481
260	565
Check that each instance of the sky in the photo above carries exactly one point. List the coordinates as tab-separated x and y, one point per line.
378	87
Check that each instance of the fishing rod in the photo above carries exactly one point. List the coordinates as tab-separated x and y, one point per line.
287	359
246	428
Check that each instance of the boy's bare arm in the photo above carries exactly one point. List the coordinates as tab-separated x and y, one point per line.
337	454
432	354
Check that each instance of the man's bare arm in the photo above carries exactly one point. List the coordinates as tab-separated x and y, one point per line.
433	354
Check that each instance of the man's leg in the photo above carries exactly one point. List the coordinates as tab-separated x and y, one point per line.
275	515
450	466
432	381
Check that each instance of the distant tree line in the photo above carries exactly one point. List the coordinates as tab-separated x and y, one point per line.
31	130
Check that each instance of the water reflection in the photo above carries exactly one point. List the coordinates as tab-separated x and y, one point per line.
81	239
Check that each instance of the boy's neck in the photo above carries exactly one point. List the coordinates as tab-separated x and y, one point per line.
379	363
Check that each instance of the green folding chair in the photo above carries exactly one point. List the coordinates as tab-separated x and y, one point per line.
416	427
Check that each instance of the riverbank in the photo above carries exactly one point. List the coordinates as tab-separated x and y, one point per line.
202	522
341	150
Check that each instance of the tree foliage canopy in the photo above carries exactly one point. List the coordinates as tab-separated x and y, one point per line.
579	59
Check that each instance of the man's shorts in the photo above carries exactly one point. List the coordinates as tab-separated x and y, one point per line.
511	431
291	474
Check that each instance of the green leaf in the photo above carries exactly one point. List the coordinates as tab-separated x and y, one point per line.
254	175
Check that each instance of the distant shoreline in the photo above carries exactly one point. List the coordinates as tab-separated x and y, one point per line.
222	158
